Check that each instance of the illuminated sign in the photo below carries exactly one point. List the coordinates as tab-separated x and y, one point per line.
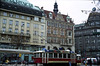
19	3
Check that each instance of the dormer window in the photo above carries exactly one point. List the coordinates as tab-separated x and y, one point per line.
42	20
68	19
36	18
28	18
50	15
22	17
4	13
10	15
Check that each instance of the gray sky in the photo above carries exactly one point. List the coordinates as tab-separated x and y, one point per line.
71	7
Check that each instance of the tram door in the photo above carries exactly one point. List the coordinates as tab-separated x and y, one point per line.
26	58
43	57
73	58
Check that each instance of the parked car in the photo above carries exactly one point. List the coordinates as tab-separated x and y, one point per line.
93	60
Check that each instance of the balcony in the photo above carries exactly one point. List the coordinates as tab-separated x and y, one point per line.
96	33
13	33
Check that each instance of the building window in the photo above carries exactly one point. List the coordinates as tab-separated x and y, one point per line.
42	34
28	32
54	31
41	41
68	19
22	24
3	29
17	23
5	13
10	22
62	32
42	27
69	33
10	29
70	41
59	25
10	15
42	20
50	15
48	39
49	31
16	30
17	16
56	25
4	21
36	33
28	18
36	18
28	25
62	41
22	17
22	31
48	23
2	38
98	30
36	26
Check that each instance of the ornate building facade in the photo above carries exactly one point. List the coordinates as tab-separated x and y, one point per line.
60	30
24	26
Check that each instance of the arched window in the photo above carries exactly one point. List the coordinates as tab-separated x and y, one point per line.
62	48
69	49
55	48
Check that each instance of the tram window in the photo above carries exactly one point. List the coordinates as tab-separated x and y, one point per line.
37	55
72	55
50	55
55	55
34	55
68	55
40	54
78	58
60	55
64	55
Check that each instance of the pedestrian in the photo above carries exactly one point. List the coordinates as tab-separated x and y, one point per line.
7	61
90	62
85	62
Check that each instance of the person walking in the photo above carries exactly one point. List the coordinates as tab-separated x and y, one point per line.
85	62
90	62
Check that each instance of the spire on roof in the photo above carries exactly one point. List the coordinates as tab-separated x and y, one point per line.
55	8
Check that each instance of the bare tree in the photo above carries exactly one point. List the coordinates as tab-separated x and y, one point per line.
17	40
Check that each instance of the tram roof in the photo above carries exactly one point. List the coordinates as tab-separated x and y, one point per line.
53	51
16	51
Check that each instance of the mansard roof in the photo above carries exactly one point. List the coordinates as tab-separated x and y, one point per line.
54	16
18	8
